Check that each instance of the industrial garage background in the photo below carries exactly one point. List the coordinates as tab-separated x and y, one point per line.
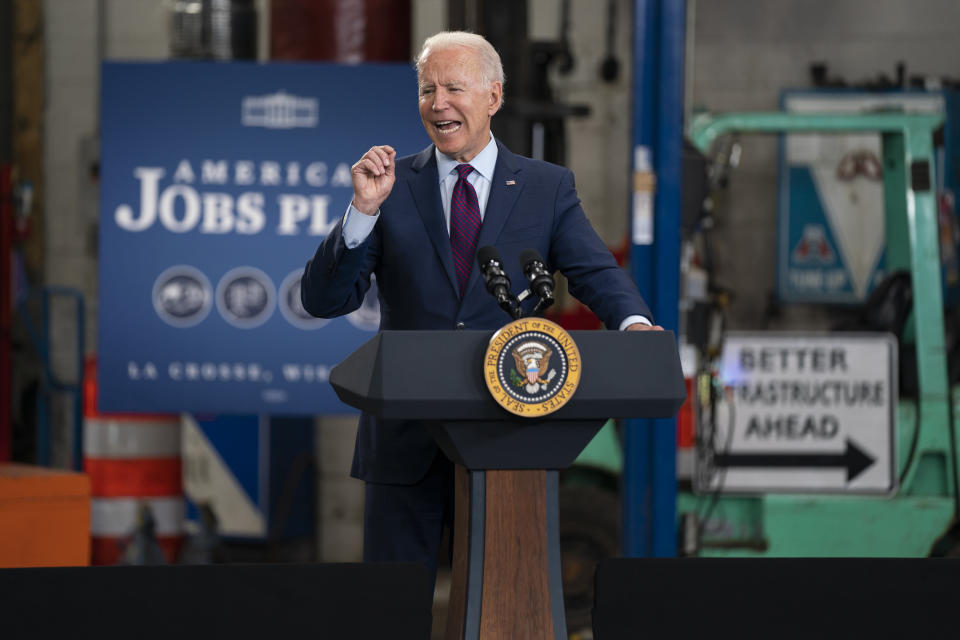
740	56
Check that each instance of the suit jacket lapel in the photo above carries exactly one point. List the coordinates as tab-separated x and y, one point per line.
503	197
424	185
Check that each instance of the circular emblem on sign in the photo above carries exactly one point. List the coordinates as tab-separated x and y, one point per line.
532	367
245	297
182	296
292	308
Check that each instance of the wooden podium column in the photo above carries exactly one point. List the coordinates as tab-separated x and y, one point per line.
506	557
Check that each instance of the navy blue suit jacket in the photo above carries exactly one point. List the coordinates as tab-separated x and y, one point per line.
532	204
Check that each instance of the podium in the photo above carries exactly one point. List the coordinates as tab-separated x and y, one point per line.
506	579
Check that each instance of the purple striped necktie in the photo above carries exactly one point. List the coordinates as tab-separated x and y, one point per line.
464	226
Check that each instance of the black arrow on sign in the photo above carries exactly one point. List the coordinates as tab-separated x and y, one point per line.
855	459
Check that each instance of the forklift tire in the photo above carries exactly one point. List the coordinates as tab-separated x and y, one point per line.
589	532
948	544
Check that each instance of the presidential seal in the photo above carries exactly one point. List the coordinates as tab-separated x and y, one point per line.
532	367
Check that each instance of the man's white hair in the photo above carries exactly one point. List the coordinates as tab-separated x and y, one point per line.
491	68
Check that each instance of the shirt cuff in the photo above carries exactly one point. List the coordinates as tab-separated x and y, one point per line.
629	320
357	226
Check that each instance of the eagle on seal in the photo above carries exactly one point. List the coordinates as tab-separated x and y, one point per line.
533	363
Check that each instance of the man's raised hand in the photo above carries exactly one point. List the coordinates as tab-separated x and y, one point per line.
373	177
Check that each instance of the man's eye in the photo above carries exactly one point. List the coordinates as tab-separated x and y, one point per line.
424	92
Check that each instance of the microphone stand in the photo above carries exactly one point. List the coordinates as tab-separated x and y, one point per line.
511	305
498	283
542	304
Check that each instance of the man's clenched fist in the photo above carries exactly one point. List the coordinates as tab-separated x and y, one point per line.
373	177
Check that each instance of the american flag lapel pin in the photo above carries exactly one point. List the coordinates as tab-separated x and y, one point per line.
510	183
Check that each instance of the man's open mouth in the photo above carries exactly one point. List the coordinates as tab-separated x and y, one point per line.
447	126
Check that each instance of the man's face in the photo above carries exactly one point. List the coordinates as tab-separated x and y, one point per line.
455	104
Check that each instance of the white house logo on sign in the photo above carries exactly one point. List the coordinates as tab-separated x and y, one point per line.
280	110
805	414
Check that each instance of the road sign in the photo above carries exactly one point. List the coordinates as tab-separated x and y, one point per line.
803	413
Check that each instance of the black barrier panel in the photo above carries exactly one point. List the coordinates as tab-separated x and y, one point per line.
221	601
776	598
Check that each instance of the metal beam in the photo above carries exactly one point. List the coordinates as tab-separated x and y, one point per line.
649	481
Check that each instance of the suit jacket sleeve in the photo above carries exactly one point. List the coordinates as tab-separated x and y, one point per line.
337	278
594	276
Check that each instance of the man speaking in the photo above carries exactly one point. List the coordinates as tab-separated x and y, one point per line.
415	223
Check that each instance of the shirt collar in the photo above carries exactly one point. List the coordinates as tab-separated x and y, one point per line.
483	163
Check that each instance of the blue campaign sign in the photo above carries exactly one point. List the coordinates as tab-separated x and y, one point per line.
218	181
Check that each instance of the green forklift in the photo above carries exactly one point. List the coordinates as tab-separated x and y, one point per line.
921	517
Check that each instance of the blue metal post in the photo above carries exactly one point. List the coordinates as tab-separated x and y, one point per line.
668	211
635	486
51	383
77	457
649	479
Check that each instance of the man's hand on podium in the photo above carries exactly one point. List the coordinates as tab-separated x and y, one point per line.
639	326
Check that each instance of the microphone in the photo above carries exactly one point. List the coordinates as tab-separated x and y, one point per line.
541	281
497	281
